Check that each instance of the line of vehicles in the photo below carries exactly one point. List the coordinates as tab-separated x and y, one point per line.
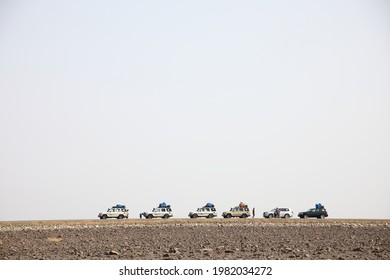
209	211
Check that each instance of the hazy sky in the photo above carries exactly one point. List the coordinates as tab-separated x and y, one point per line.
273	103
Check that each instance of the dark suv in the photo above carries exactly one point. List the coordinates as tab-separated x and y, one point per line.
319	213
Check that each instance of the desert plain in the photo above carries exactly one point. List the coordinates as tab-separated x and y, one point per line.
196	239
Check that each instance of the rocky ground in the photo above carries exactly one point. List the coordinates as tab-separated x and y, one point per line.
196	239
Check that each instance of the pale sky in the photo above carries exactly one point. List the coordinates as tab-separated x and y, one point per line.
273	103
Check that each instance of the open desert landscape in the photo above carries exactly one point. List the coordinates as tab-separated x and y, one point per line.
198	239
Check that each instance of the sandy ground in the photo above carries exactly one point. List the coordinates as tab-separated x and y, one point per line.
196	239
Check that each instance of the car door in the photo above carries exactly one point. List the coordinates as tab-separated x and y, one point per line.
312	213
318	213
235	212
163	210
111	213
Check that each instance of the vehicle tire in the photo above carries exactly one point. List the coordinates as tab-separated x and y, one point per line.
244	216
228	216
210	216
305	216
322	216
166	216
103	217
120	217
150	216
270	216
194	216
286	216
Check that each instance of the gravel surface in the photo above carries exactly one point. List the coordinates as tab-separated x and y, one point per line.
196	239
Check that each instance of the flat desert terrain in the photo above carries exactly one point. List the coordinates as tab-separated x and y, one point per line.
197	239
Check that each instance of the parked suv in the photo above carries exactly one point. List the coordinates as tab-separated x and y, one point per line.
237	212
118	212
159	212
319	213
207	212
283	213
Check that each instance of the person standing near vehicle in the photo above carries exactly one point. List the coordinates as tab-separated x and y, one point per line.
253	212
277	213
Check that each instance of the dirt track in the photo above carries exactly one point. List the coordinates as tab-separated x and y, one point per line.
196	239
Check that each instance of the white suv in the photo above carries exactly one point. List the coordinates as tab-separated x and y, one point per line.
207	212
283	213
159	212
116	212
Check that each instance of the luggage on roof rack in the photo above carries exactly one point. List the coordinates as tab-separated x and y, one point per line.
119	206
209	204
163	205
319	206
